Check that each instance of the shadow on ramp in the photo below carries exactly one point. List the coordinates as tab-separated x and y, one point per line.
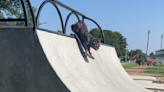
82	51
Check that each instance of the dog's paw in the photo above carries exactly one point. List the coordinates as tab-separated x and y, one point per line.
86	54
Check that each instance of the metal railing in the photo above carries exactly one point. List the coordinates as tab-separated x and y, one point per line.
25	11
55	3
76	13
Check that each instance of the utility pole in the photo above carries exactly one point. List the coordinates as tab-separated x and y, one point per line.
126	56
131	55
161	41
147	41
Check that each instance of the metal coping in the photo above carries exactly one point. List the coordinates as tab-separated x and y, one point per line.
53	32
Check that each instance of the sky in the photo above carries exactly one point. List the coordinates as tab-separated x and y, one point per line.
132	18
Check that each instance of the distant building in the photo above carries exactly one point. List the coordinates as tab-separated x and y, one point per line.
159	55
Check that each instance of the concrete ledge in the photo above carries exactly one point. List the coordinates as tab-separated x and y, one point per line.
147	82
146	78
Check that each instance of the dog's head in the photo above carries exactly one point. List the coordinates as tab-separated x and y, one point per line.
73	27
96	44
79	27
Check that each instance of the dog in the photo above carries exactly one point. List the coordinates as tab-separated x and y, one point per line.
87	40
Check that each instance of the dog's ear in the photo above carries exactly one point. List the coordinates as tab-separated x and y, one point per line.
72	27
99	40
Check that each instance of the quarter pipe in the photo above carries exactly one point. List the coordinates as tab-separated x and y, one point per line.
42	61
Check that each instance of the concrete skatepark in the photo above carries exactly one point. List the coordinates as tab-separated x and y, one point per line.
102	74
49	62
39	60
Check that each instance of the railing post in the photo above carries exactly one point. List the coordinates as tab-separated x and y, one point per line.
25	13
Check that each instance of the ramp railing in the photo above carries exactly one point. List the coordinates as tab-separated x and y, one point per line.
55	4
25	11
76	13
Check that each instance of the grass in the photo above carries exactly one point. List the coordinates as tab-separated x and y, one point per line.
129	65
159	69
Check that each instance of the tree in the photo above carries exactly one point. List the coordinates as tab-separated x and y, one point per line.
151	54
123	57
134	52
113	38
14	9
59	31
96	32
121	44
21	15
1	15
110	37
11	7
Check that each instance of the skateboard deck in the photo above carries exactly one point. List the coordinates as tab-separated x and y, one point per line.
89	55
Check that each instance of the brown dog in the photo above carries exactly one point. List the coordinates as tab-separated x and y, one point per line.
87	40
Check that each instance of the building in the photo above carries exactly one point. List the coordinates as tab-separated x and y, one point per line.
159	55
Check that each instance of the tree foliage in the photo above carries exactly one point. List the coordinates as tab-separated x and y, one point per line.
151	54
118	41
59	31
13	9
1	15
96	32
134	52
112	38
121	44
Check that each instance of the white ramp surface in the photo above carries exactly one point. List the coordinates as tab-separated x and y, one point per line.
102	74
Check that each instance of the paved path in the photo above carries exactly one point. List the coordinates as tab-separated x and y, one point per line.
139	70
123	63
145	79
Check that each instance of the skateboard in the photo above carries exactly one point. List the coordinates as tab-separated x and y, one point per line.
83	50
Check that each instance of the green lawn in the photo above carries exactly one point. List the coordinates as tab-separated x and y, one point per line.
129	65
159	69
